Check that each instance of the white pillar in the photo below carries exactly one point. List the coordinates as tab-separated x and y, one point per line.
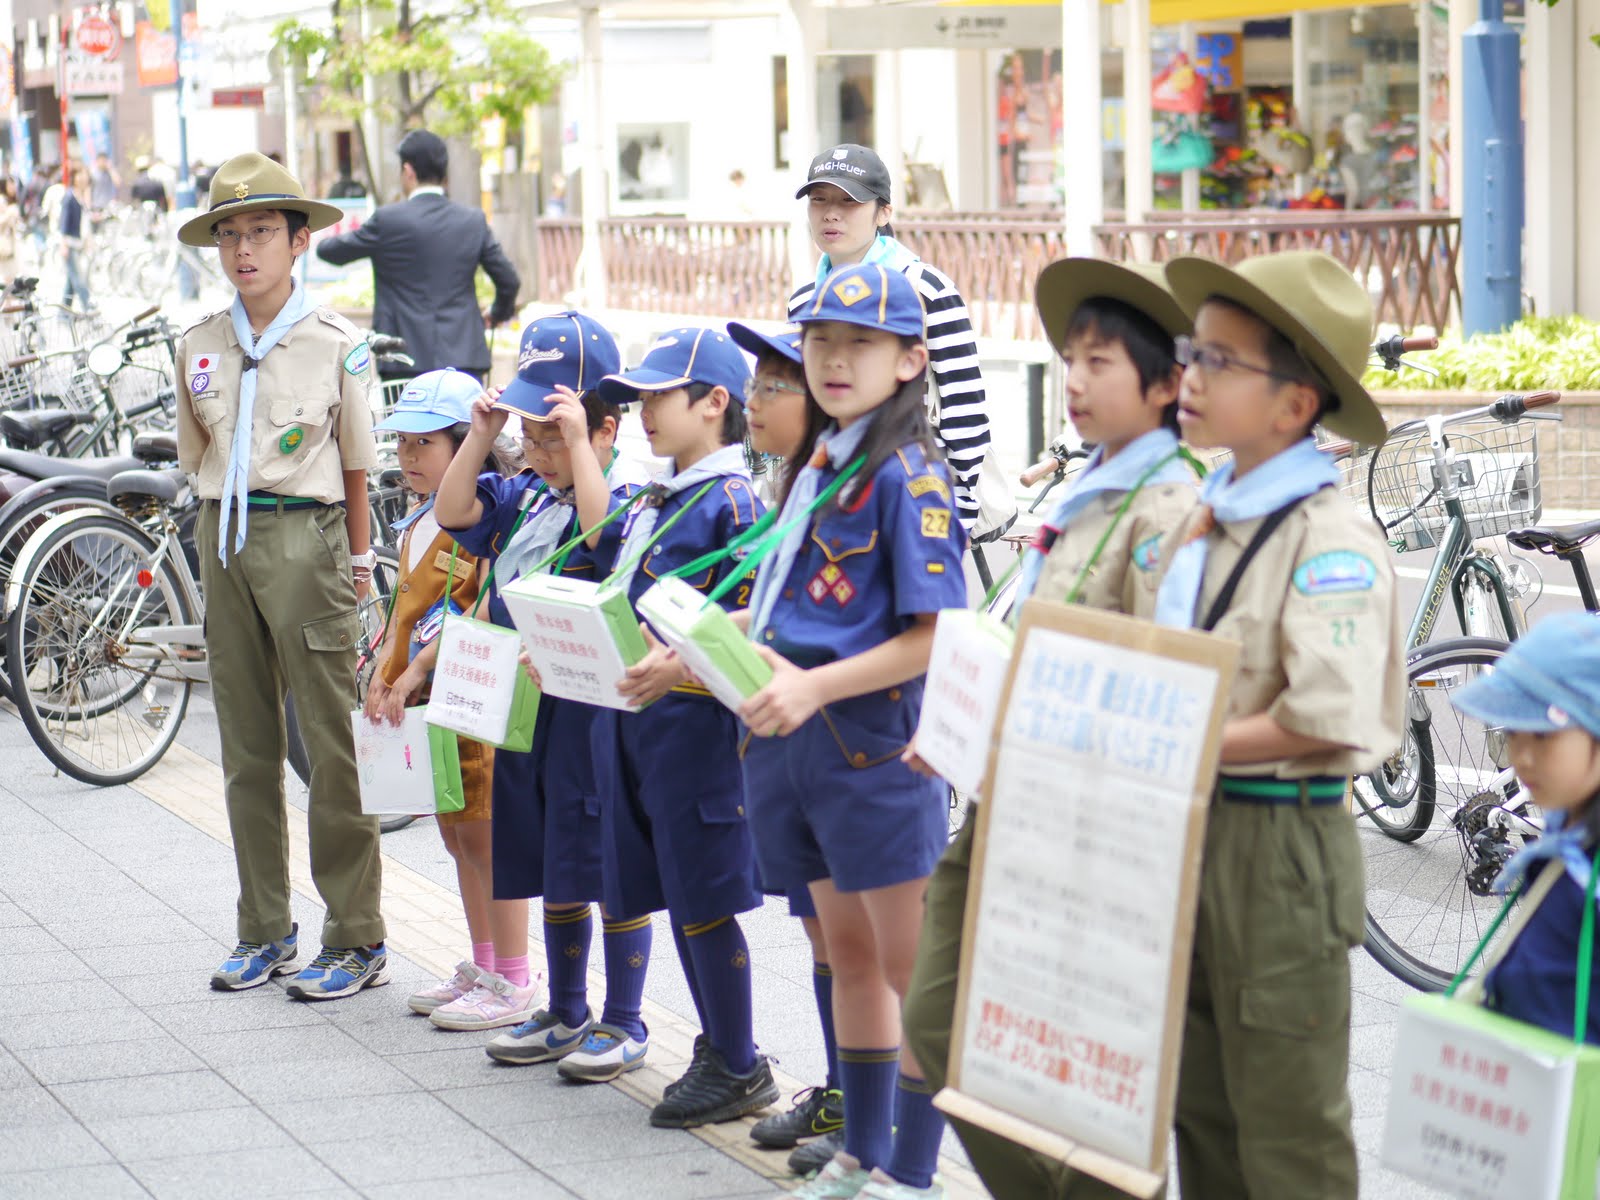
1551	229
888	131
291	114
1300	82
1138	195
1190	180
1463	13
592	132
1080	88
803	35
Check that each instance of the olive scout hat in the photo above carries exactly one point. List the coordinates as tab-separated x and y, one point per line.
1068	282
1314	301
247	183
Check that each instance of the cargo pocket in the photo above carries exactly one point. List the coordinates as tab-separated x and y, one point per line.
1310	1002
882	736
336	633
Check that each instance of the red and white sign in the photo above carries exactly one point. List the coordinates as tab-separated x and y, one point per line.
98	37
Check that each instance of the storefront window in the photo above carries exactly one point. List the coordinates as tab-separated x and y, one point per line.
1028	129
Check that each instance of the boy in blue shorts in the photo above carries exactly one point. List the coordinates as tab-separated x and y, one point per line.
673	801
546	827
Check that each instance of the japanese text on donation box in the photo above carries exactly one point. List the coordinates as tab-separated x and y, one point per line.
476	676
1073	951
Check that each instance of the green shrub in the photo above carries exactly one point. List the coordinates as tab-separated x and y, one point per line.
1535	353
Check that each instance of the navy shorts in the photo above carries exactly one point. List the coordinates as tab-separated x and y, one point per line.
547	843
673	811
833	800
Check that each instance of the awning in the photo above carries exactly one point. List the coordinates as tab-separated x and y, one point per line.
1174	12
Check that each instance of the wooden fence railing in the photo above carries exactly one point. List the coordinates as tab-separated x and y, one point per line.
741	268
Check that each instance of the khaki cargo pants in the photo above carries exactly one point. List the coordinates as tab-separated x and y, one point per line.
282	613
1263	1110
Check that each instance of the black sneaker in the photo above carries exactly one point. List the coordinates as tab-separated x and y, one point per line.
813	1156
816	1111
710	1092
696	1060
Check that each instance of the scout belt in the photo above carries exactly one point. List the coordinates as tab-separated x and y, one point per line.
273	500
1314	791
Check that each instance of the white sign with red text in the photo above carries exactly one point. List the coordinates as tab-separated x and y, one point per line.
475	679
966	675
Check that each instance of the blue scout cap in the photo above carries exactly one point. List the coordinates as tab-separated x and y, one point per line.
678	358
785	342
869	294
567	349
433	401
1549	680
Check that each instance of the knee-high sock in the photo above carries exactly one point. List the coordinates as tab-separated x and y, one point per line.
681	940
567	936
722	968
918	1128
868	1078
822	986
627	965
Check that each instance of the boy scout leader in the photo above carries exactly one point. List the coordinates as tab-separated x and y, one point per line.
1278	560
276	427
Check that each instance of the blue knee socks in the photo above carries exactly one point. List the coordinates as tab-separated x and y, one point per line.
918	1129
567	934
719	960
867	1077
686	959
627	964
822	986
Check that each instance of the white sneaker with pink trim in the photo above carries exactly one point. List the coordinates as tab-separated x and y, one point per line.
457	986
494	1002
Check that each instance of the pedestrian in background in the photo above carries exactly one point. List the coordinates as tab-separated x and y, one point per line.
73	228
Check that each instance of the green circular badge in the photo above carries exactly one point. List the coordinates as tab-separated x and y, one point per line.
291	439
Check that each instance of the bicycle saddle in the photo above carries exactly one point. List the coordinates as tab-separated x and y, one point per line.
155	447
33	428
1555	539
43	466
144	484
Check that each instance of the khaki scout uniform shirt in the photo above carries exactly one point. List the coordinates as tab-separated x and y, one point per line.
313	415
1123	579
1319	622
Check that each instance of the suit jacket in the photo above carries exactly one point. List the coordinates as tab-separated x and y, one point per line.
425	252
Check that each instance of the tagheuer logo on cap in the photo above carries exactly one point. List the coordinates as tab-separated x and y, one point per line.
824	168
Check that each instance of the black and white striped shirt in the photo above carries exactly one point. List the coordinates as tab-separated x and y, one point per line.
953	361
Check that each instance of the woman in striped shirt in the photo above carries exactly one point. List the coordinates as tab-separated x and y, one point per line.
847	190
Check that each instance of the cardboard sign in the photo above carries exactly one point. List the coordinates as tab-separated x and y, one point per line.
707	640
474	679
1070	1004
966	674
582	638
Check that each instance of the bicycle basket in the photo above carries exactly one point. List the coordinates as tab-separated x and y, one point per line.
1497	476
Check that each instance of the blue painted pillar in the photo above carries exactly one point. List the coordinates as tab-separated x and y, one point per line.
1492	209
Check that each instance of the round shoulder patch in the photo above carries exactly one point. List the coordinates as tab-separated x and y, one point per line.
358	359
1335	571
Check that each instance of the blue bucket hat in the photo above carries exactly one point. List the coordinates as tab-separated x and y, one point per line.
433	401
681	357
868	294
785	342
565	349
1547	681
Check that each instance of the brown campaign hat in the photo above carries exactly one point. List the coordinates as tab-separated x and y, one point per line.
246	183
1313	300
1066	283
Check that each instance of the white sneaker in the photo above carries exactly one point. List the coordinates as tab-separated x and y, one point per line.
494	1002
541	1038
842	1179
883	1186
606	1053
457	986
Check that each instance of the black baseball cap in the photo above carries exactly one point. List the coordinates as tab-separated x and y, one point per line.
855	170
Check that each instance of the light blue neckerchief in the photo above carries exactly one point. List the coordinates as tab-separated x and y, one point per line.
839	446
728	462
1294	474
236	480
884	250
1557	842
1121	474
412	517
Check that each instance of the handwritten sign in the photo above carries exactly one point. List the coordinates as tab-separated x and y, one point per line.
475	679
1070	1004
581	638
394	766
966	674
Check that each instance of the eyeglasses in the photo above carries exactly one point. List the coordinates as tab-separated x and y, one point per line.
1215	362
768	389
548	445
256	235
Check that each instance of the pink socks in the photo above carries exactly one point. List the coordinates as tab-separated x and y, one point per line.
514	969
483	955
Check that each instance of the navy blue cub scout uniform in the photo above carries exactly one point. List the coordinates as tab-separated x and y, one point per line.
546	828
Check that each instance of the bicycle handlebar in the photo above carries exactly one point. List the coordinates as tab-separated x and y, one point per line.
146	314
1507	409
1043	469
25	360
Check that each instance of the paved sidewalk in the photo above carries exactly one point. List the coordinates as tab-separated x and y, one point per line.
123	1074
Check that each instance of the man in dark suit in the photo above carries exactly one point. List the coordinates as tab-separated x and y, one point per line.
425	253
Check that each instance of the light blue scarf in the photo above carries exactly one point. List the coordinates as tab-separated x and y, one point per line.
236	480
1297	472
1557	843
1121	474
839	446
727	462
884	250
412	517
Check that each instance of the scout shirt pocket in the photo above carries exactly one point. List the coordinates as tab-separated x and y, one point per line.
212	409
298	424
849	542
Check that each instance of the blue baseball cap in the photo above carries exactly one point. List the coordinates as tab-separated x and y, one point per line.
681	357
869	294
785	342
565	349
433	401
1547	681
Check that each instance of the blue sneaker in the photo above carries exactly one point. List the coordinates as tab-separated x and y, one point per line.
253	963
607	1052
339	972
543	1037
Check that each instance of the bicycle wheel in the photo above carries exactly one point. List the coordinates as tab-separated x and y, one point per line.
1399	797
99	696
1428	899
1480	608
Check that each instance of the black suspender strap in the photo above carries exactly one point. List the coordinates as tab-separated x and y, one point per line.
1268	526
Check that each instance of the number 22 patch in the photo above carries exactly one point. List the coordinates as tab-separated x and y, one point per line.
936	522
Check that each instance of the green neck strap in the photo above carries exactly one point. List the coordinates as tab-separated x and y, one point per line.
522	514
632	562
1076	590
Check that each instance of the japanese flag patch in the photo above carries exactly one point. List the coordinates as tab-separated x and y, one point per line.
202	364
